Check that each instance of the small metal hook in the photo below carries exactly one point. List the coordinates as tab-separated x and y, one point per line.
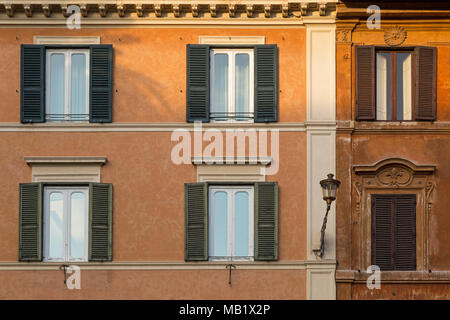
63	268
230	267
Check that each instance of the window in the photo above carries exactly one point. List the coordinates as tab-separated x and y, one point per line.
394	85
231	84
67	85
394	231
231	223
65	224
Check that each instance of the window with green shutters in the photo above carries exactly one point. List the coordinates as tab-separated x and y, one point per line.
218	218
61	222
60	83
232	84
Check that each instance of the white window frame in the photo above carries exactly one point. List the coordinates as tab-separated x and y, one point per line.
232	83
67	83
231	191
66	191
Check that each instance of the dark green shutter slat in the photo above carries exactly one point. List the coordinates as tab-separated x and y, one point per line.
266	83
196	221
30	222
100	221
32	93
266	221
100	93
425	87
197	83
405	232
365	83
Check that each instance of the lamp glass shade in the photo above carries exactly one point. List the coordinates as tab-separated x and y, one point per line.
329	188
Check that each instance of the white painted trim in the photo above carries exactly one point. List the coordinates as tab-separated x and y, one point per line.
65	40
231	173
171	265
143	127
231	40
321	282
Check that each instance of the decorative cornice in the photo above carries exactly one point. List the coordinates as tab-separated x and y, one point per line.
171	9
393	175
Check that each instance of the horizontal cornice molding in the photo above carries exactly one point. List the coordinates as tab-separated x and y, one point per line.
65	160
380	127
143	127
405	277
95	12
288	265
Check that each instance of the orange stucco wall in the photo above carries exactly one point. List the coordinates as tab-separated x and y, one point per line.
150	69
148	219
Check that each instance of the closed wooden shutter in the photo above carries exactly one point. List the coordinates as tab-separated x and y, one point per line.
32	93
100	221
365	82
100	93
425	87
394	231
30	222
266	221
196	221
405	232
197	83
266	83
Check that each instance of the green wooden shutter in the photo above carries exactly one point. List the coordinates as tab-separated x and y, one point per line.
365	83
30	222
266	221
425	86
266	83
100	89
197	83
100	221
196	221
32	81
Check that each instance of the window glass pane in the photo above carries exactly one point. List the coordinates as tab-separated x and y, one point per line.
241	220
384	86
77	224
404	86
242	85
220	102
56	225
78	87
220	224
57	86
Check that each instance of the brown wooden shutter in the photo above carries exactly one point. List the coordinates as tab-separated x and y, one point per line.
394	231
405	232
365	82
425	86
382	231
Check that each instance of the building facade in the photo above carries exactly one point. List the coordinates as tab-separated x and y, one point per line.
169	150
392	149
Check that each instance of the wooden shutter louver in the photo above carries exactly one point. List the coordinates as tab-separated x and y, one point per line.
100	221
266	83
382	232
197	83
100	93
365	83
394	232
196	221
30	222
32	93
405	232
425	86
266	221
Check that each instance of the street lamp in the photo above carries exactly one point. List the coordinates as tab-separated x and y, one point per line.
329	187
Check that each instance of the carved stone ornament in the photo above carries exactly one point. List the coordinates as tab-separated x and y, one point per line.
395	36
342	35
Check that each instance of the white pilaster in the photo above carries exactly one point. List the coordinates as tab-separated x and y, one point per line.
321	154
